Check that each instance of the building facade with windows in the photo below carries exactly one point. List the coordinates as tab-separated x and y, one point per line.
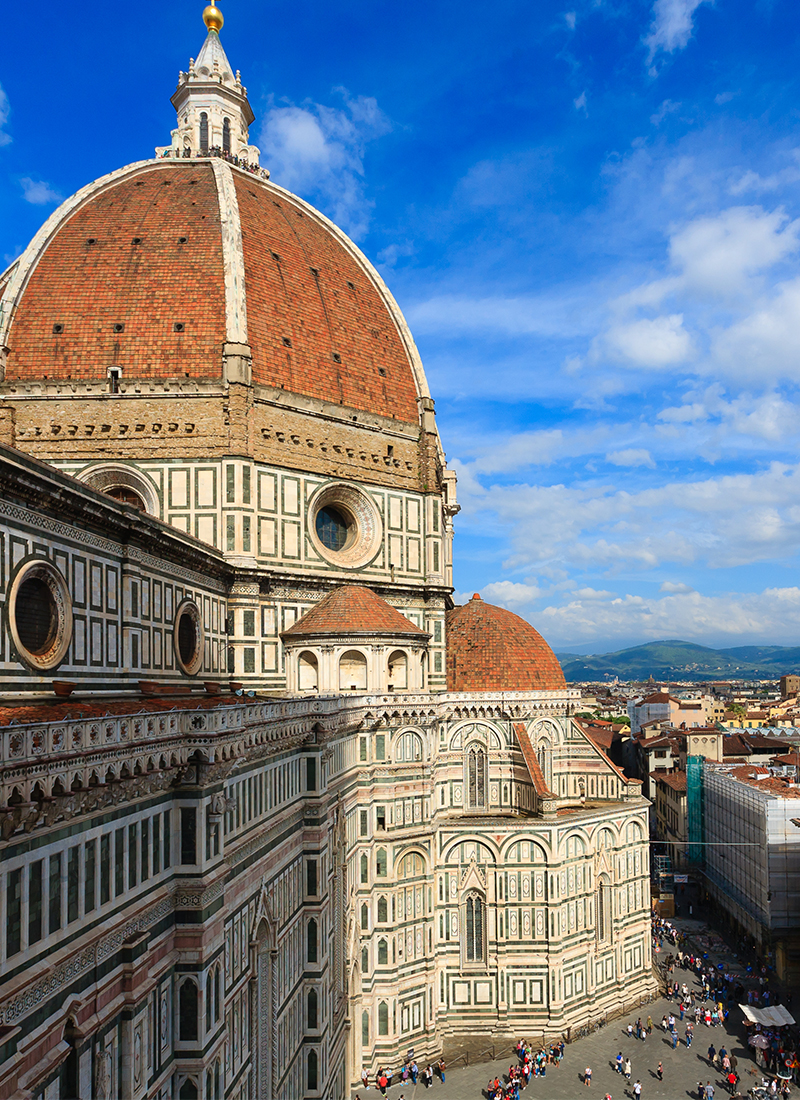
271	807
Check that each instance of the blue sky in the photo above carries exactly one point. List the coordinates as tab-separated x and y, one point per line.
590	213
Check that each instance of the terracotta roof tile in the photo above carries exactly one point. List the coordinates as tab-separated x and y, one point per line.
353	609
491	649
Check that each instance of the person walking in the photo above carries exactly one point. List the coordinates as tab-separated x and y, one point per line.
587	1075
674	1039
660	1072
688	1036
637	1091
649	1024
365	1078
709	1091
442	1068
619	1062
628	1070
712	1054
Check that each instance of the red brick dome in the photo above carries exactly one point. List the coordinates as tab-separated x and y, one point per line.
158	268
491	649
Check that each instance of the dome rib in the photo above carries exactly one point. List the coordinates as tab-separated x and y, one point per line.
491	649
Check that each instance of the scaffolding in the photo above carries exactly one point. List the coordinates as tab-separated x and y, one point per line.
694	809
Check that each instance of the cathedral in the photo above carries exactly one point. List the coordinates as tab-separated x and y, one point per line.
272	808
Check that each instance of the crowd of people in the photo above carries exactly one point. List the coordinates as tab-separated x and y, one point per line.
384	1076
531	1065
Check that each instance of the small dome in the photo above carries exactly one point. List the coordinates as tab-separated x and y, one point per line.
491	649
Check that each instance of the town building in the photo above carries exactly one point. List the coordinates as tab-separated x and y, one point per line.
752	857
272	808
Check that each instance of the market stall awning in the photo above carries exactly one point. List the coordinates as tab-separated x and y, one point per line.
774	1016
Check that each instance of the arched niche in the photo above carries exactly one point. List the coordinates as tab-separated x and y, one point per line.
352	671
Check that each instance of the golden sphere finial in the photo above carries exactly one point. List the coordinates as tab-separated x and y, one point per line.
212	17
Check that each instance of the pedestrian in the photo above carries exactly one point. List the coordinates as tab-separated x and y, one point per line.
630	1031
627	1069
649	1024
619	1062
674	1039
709	1091
587	1075
688	1037
712	1054
365	1078
701	1091
442	1068
660	1072
637	1091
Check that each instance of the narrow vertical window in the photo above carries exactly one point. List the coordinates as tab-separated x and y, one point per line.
246	534
476	778
311	941
54	904
311	1014
364	868
245	477
365	1029
13	911
157	844
167	842
188	834
312	1071
73	879
230	484
311	878
311	773
383	1018
145	849
105	869
133	855
119	862
35	887
89	875
474	924
187	1012
203	132
230	532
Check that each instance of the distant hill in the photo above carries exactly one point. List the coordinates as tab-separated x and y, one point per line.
677	660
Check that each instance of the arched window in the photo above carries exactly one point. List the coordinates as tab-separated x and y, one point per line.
364	960
312	1070
383	952
311	940
187	1012
217	980
408	747
226	135
311	1010
203	132
383	910
603	904
544	755
398	671
383	1018
365	1028
364	867
476	777
380	863
474	924
188	1090
307	671
364	917
352	671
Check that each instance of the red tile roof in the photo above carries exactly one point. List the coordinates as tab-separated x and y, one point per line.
532	764
676	780
145	252
353	609
78	708
491	649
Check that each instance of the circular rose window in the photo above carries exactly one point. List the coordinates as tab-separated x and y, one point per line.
344	526
40	615
188	636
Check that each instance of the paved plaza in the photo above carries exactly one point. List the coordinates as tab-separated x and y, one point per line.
683	1068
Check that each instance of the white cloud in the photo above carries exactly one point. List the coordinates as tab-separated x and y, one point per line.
724	97
633	456
766	344
5	111
580	103
754	182
676	588
38	192
666	108
718	253
672	26
390	255
570	18
556	315
319	150
654	343
510	594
